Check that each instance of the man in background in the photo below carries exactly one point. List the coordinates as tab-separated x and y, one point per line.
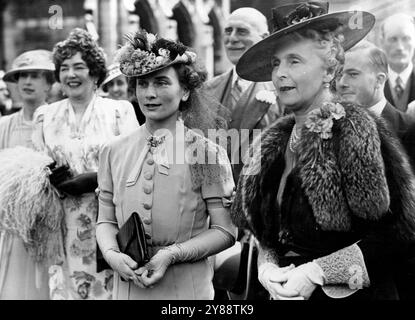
398	42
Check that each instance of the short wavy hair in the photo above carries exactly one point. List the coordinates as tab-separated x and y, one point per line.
81	41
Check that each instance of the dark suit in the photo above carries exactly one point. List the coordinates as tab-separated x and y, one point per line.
410	86
398	121
248	111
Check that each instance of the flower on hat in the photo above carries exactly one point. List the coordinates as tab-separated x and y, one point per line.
266	96
321	120
145	52
304	11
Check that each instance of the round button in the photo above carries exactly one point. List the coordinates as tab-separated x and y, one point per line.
148	176
147	190
147	206
150	161
147	220
147	236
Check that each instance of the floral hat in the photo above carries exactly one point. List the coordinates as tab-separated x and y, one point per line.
255	63
145	53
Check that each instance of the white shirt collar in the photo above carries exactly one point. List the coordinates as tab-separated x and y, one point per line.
242	82
378	107
404	75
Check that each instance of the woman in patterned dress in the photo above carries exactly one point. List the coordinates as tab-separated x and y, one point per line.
72	132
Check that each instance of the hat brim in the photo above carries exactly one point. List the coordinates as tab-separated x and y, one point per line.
154	70
11	76
255	64
112	77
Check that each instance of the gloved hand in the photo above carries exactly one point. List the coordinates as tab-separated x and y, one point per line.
80	184
58	174
304	279
123	265
268	271
154	270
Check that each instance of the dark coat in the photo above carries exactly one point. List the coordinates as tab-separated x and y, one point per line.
355	186
411	96
398	121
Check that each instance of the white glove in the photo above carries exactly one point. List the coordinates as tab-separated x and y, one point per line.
304	279
268	271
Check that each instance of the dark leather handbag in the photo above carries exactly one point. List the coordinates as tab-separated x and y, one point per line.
131	240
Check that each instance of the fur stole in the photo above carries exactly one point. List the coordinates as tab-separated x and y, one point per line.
354	173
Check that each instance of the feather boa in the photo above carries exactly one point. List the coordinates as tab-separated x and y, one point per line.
30	207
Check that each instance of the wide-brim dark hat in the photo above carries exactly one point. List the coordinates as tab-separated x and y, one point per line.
255	63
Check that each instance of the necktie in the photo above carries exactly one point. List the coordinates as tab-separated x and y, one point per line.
399	87
236	92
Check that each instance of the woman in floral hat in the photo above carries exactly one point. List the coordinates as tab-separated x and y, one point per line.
330	196
162	171
72	131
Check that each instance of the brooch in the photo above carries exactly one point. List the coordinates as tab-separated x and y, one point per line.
321	120
154	141
266	96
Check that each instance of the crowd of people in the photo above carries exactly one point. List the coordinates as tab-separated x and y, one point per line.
313	199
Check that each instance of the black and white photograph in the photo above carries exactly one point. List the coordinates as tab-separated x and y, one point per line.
216	156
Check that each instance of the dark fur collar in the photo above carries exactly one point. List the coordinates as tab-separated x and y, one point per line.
341	177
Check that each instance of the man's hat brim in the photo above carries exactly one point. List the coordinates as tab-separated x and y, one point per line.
255	63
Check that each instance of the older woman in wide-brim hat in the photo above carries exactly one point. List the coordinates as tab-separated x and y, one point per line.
184	204
330	195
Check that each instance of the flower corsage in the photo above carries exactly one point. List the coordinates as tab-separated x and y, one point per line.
321	120
266	96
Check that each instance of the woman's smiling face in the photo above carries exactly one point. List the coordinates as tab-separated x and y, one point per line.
159	94
74	77
299	72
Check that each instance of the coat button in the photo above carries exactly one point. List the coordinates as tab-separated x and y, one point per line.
150	161
148	176
147	206
147	220
147	190
147	236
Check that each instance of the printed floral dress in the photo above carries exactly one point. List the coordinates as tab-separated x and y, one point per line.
78	145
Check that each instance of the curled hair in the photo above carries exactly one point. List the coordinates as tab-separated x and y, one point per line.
330	43
81	41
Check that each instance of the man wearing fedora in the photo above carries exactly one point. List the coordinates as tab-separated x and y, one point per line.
32	72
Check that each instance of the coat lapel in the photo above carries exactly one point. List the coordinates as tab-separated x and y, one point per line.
249	111
219	87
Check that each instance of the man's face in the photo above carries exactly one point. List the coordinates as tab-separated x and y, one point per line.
399	43
358	80
241	33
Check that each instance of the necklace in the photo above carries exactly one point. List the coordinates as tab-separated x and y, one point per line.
294	139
